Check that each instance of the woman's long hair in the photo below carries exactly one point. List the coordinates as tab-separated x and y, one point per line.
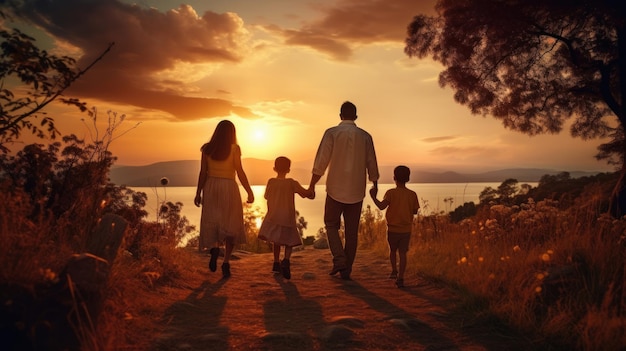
224	136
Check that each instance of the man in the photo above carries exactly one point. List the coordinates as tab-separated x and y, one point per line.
348	153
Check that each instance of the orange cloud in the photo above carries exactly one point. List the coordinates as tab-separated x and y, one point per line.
147	41
352	22
440	138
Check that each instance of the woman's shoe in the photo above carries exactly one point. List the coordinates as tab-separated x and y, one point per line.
276	268
286	269
226	269
215	252
400	283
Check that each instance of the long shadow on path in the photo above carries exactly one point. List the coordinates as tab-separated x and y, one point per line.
416	329
193	323
485	330
291	322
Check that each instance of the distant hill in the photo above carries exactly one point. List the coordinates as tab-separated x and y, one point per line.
185	173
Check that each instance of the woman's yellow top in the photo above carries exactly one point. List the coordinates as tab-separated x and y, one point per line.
225	168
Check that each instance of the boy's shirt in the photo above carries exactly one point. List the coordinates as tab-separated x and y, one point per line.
403	205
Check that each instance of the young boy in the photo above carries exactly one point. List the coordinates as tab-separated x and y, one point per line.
403	205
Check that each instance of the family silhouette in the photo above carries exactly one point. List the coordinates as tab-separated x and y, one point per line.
347	154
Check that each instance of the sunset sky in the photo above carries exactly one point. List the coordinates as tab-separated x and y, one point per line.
279	69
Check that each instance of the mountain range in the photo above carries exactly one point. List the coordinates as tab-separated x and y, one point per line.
185	173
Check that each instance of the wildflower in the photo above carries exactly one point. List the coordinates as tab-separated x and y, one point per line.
545	257
516	248
550	252
540	276
464	259
492	276
538	290
473	232
165	181
48	275
480	259
491	223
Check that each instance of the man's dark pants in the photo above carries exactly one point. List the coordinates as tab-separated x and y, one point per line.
343	255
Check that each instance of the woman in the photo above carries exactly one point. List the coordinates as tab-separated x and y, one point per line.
218	193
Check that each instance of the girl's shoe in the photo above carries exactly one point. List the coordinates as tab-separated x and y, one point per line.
276	268
215	252
286	269
226	269
393	275
400	283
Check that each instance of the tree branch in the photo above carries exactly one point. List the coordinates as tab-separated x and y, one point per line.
39	107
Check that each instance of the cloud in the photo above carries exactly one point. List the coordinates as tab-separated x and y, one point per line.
355	22
439	138
147	42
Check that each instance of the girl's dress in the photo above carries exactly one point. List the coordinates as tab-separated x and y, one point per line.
279	226
222	209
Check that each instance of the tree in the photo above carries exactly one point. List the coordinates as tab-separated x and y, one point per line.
534	64
44	78
507	189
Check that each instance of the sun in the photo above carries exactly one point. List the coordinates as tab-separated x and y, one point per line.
259	135
259	139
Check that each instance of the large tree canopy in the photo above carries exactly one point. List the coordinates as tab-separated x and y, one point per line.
533	64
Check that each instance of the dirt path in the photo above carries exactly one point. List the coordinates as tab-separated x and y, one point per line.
256	310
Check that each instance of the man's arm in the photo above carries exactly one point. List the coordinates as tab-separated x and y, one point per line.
380	204
314	179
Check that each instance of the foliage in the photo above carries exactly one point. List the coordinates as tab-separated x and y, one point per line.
533	64
43	78
550	270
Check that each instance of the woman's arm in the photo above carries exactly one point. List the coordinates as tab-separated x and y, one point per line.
202	176
243	179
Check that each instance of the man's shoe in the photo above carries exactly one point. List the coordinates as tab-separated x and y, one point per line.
345	274
335	270
400	283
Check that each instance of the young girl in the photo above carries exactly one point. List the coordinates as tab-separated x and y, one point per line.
218	193
279	226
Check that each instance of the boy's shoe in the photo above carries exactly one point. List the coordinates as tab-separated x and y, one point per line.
276	268
215	252
226	269
393	275
285	268
400	283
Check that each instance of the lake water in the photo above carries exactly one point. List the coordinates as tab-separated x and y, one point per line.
431	198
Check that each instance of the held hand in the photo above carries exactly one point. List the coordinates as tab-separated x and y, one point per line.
311	192
198	200
373	192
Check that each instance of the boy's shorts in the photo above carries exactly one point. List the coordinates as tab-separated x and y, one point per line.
399	241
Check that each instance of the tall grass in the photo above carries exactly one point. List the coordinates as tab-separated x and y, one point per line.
556	273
